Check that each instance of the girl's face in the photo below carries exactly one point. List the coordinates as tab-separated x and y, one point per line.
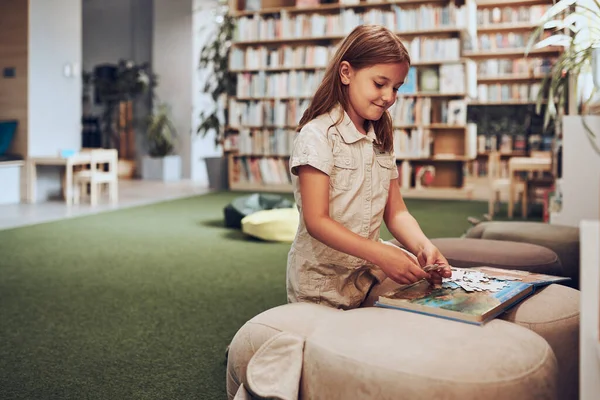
371	90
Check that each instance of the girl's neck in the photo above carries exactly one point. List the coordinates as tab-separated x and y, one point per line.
359	122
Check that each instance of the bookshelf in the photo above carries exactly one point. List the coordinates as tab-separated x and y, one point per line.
280	52
508	82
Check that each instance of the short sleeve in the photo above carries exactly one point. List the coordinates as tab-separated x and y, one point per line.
395	173
311	147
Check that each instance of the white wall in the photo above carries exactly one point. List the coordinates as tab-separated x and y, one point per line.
580	181
54	97
180	29
171	60
202	147
116	30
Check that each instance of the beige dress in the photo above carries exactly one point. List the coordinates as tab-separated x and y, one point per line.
360	175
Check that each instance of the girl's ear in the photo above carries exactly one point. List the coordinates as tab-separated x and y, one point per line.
345	72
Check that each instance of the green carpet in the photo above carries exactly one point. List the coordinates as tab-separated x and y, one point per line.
140	303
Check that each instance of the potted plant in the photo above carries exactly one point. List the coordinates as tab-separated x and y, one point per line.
575	27
116	87
161	163
220	83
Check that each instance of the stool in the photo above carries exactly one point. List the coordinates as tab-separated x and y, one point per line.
308	351
553	313
563	240
467	253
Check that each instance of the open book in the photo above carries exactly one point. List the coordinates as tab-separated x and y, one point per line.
474	295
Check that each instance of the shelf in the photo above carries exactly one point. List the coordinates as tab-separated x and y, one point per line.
237	128
289	40
245	186
519	52
425	94
425	193
505	3
333	7
435	159
411	126
504	103
463	193
239	155
426	63
511	27
510	78
13	163
251	98
423	63
278	69
505	154
432	126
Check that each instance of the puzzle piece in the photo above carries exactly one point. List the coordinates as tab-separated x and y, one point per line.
473	281
433	267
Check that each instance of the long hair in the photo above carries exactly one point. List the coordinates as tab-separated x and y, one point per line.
365	46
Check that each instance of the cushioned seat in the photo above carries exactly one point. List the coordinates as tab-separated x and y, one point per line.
307	351
563	240
467	253
553	313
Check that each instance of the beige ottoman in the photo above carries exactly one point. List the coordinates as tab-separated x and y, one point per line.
553	313
563	240
307	351
467	253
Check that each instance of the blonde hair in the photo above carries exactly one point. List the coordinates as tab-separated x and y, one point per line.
365	46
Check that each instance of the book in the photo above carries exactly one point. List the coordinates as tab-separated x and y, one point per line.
474	295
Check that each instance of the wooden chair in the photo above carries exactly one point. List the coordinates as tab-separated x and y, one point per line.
538	184
95	177
498	182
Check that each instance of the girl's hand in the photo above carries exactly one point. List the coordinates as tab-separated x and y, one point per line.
399	266
431	255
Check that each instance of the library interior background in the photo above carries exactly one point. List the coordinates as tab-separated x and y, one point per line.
146	202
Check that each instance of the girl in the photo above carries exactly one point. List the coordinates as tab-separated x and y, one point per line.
347	181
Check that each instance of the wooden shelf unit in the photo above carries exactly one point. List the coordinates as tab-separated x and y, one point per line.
497	19
451	148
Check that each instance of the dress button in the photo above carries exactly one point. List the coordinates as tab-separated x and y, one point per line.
347	162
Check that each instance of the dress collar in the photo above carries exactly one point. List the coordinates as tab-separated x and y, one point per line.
347	129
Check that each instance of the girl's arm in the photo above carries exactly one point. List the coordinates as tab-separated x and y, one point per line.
314	189
401	224
405	228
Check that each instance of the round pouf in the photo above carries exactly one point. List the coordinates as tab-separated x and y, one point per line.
553	313
307	351
467	253
563	240
374	353
297	318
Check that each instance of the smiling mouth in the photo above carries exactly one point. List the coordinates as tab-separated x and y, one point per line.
379	106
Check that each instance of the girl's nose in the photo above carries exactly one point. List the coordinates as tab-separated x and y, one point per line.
388	96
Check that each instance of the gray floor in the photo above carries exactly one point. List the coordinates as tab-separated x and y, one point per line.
131	193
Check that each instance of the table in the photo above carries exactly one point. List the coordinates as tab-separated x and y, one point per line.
84	157
524	164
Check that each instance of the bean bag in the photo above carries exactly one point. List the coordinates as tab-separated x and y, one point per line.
245	205
277	225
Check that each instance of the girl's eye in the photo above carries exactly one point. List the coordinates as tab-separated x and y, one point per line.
378	85
396	89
